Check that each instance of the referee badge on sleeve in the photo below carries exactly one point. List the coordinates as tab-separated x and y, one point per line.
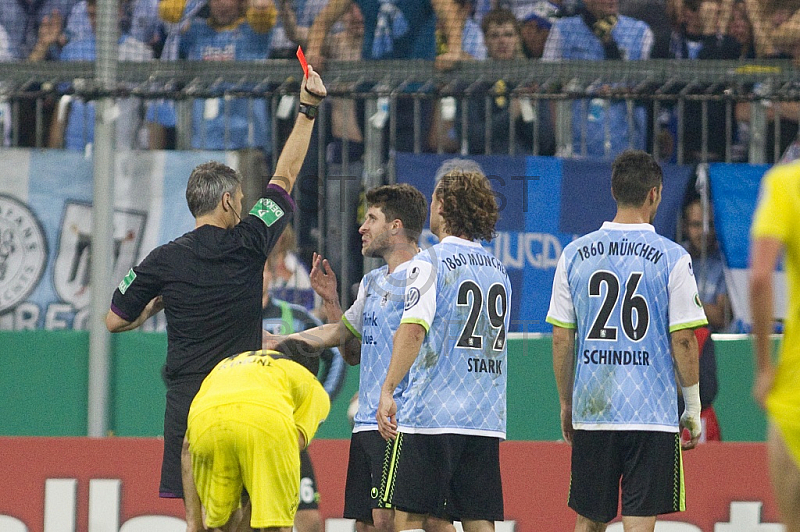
127	281
267	211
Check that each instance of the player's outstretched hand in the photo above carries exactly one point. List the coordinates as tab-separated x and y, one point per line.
387	416
691	423
313	91
323	279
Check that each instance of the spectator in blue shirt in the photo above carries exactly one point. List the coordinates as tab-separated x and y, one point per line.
234	31
601	33
73	123
35	28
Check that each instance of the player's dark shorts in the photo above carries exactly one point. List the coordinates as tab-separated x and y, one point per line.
179	399
649	463
309	496
364	472
447	475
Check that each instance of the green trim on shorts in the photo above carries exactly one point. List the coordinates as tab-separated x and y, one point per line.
390	471
679	490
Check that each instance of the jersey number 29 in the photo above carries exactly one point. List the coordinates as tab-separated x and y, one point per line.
496	307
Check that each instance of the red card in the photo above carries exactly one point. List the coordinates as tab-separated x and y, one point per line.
302	58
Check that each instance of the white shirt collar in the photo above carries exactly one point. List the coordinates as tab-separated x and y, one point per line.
614	226
459	240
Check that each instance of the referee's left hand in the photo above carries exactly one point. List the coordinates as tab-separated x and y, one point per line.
312	91
387	416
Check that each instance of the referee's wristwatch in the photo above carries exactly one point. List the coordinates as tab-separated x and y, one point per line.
310	111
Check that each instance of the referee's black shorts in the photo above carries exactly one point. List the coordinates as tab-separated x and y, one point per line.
179	398
648	463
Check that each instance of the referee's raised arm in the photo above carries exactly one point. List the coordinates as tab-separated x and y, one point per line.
312	92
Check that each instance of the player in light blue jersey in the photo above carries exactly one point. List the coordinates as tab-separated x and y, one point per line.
394	220
630	297
282	317
451	346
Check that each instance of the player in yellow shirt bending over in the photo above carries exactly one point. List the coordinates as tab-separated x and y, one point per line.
245	425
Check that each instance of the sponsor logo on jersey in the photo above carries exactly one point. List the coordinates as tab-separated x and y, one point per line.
23	252
267	211
697	301
412	297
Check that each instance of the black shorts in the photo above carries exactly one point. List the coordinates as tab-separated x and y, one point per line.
452	476
309	496
179	399
364	473
650	466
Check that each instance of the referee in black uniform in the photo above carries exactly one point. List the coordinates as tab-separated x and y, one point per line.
209	284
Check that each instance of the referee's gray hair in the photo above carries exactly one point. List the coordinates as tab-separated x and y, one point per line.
465	166
207	183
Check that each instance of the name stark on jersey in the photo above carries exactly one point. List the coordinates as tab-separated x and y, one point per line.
481	365
616	358
621	248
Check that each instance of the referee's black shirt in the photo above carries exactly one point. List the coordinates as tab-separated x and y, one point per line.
211	283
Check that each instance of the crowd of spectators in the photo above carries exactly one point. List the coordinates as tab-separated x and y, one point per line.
446	31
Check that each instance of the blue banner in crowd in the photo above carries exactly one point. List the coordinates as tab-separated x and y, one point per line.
734	192
545	203
46	228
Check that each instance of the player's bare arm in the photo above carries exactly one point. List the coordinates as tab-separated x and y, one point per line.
115	323
687	366
312	93
323	281
320	338
407	341
564	369
764	258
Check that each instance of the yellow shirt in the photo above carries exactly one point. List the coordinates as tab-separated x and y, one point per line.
277	383
778	216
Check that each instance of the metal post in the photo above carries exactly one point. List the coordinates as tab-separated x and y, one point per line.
102	219
758	133
373	159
